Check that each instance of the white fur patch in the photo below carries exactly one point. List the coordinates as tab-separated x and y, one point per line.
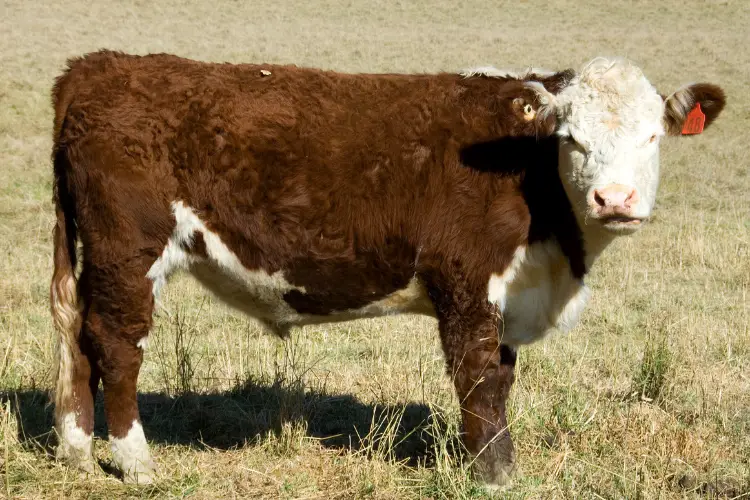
132	456
64	376
143	343
65	315
412	299
174	257
75	444
493	72
255	292
536	294
497	289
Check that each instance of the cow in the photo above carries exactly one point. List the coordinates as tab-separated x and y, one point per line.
301	196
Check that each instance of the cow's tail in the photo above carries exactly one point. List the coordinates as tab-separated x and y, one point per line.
64	299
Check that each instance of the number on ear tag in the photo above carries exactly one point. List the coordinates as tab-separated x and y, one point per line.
695	121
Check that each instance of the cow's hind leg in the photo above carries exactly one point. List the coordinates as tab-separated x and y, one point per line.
77	383
482	371
77	376
118	318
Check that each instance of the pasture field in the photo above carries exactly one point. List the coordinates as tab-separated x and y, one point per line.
649	397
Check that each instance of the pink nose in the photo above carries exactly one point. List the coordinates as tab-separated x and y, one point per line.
615	199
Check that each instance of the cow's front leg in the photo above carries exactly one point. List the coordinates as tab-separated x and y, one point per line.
482	371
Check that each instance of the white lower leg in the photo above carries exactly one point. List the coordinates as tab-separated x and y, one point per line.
132	457
75	444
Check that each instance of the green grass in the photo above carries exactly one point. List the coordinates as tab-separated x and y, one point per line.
648	397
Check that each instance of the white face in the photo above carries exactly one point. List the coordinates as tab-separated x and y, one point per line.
610	125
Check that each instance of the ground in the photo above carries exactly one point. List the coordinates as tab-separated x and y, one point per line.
648	397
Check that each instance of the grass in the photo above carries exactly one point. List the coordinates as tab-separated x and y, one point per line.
649	397
653	372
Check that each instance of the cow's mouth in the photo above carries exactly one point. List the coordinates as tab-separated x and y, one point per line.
621	224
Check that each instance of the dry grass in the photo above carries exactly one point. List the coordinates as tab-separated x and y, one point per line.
649	397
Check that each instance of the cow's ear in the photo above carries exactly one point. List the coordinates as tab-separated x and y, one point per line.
692	108
556	82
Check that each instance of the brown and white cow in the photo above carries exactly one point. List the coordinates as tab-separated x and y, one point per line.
302	196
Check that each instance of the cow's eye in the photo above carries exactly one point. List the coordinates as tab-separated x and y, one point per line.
652	139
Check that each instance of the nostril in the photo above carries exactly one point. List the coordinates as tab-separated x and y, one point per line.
599	199
632	198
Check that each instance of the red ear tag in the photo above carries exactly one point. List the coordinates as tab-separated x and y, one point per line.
694	121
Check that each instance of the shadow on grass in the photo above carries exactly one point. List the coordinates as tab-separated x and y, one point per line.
251	411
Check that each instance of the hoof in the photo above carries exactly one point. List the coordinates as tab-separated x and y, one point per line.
76	458
495	475
140	474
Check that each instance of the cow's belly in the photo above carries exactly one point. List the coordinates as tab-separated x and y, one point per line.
272	298
265	297
537	295
540	296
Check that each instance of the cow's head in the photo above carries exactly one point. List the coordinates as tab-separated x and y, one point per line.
610	123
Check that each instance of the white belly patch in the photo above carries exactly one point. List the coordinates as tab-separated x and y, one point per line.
536	294
255	292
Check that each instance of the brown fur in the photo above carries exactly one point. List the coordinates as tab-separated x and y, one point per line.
349	184
677	106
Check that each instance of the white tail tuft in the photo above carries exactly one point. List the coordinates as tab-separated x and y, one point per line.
66	318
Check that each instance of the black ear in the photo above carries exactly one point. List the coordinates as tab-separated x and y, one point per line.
692	108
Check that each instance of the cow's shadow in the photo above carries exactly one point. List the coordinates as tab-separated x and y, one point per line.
247	414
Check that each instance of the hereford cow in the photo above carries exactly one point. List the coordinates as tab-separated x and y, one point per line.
302	196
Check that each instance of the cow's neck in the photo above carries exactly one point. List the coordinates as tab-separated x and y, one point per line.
535	162
552	216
